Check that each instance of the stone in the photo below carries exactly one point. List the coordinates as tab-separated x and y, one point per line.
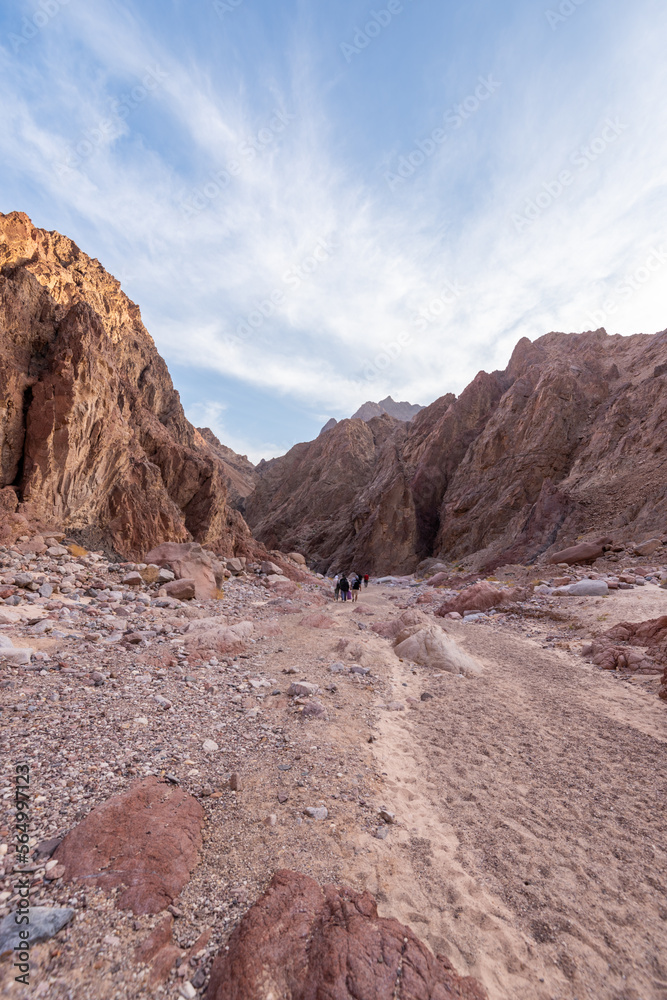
302	689
337	668
431	647
165	576
314	710
45	922
316	812
585	552
583	588
236	566
45	590
189	562
648	547
301	941
235	783
479	597
209	637
297	558
387	816
187	990
210	746
181	590
159	951
18	657
270	569
145	841
133	580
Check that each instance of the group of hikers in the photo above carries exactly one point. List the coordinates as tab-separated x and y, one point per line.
346	590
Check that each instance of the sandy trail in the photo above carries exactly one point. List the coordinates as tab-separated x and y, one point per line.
533	845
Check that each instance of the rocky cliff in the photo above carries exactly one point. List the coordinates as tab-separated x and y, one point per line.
569	440
93	438
399	411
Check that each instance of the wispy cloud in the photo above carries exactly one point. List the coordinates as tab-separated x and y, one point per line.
228	284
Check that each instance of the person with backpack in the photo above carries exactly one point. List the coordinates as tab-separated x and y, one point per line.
344	585
356	587
337	587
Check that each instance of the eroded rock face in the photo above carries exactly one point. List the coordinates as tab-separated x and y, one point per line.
301	941
568	440
93	435
145	840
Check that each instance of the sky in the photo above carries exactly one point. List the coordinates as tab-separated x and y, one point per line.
320	202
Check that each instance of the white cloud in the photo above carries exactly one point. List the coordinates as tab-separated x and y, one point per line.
203	278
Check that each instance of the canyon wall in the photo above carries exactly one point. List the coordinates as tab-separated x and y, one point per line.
569	440
93	437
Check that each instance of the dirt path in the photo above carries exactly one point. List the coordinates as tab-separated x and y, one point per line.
533	846
530	843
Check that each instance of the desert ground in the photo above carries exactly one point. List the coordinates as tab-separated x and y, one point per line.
525	824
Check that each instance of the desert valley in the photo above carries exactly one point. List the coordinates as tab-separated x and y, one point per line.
241	787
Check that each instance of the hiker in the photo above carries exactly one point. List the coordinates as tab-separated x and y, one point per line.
337	587
365	579
344	585
356	587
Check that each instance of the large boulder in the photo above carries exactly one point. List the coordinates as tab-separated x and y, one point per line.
431	647
145	841
585	552
480	597
189	561
648	547
212	637
300	941
582	588
181	590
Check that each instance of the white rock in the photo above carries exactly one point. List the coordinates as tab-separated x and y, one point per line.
583	588
316	812
210	746
431	647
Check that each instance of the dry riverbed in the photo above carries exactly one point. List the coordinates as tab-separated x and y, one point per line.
527	841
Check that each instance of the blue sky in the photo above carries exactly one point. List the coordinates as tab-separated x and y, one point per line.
318	203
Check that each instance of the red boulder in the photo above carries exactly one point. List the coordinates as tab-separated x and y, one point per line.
301	941
145	840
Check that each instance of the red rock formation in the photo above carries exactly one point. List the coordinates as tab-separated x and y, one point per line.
300	941
145	840
650	635
568	440
93	434
585	552
341	496
480	597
